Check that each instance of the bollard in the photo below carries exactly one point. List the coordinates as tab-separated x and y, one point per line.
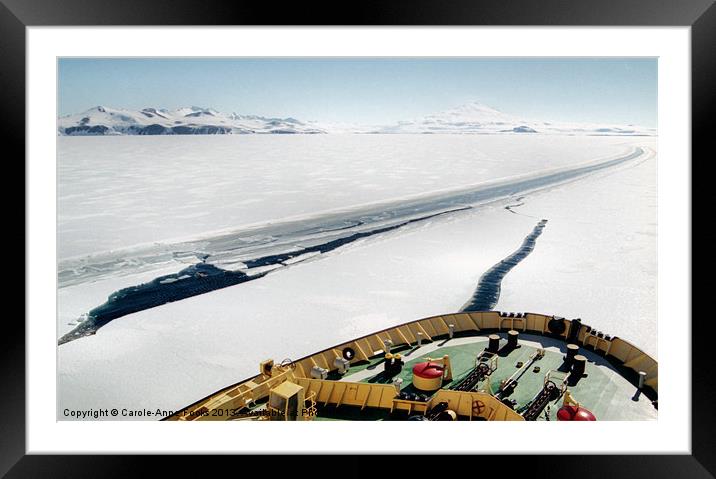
642	379
512	336
420	339
578	366
451	330
572	350
397	363
494	343
388	362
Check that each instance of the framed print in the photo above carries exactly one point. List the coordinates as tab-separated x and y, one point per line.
263	230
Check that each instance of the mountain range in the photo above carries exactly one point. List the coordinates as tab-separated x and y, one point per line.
102	120
470	118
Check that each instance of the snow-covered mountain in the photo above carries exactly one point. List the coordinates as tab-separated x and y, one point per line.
475	117
470	118
102	120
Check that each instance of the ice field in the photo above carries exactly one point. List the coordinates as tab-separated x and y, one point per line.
134	208
118	192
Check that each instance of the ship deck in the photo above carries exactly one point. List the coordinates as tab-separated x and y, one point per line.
603	389
364	391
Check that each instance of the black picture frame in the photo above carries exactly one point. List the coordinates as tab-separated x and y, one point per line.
700	15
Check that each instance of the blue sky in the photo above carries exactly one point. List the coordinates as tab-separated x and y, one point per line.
365	90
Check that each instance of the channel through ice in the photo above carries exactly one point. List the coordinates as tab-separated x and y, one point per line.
416	220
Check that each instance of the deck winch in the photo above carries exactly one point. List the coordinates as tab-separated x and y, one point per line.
429	375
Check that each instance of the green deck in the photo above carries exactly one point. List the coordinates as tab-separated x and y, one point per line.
603	390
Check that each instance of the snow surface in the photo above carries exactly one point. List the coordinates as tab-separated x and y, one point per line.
119	192
596	258
174	354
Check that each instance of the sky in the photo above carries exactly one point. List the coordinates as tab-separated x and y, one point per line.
368	90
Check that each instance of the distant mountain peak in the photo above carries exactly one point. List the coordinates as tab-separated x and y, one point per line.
101	120
475	117
473	111
476	106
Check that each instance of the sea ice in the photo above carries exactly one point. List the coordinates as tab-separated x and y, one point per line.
596	258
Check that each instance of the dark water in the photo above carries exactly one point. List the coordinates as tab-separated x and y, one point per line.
337	243
488	288
202	278
192	281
